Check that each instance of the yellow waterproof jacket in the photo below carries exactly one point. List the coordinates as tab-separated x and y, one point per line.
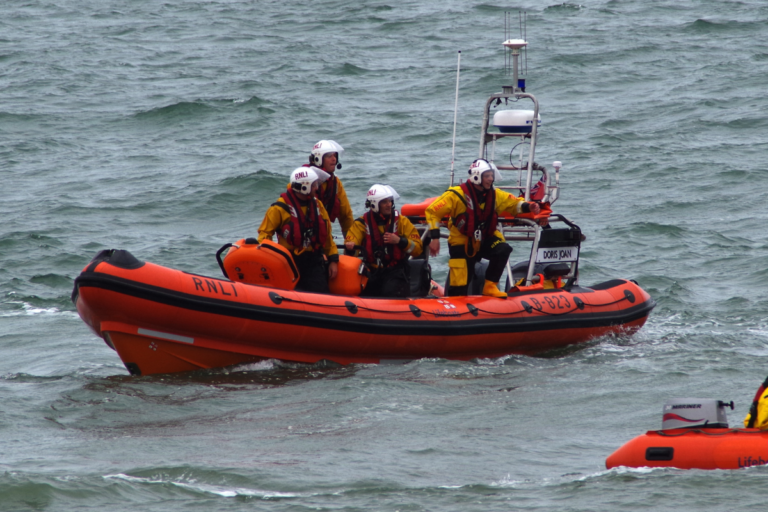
405	230
346	217
449	204
276	217
759	408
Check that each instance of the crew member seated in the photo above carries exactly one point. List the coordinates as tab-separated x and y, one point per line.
303	227
473	209
386	240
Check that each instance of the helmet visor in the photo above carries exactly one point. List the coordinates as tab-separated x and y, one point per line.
322	176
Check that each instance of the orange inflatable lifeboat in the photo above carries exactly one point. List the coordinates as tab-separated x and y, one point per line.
694	435
162	320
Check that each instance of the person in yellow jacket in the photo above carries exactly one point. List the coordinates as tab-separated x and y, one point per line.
325	155
757	417
303	227
473	209
387	240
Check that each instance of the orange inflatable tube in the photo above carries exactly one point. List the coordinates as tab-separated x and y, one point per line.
704	448
162	320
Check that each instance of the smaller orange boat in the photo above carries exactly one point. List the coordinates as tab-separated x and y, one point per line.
694	435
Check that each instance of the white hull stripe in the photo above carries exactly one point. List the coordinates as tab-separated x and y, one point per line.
166	336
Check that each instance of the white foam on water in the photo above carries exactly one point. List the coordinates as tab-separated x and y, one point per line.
232	492
30	310
267	364
508	481
218	490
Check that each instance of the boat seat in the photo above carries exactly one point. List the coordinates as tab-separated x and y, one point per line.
556	270
520	270
561	237
421	277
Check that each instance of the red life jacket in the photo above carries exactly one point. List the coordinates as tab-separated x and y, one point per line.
474	218
539	189
330	199
329	196
304	230
376	251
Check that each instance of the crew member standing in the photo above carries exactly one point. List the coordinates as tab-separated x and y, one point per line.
325	155
387	240
303	227
473	209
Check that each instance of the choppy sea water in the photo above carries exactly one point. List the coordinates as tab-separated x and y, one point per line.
167	128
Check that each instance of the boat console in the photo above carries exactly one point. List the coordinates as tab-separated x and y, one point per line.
555	240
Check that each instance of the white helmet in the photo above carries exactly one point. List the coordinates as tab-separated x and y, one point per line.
303	178
323	147
378	193
480	166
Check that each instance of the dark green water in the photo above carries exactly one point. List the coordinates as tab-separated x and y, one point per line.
167	128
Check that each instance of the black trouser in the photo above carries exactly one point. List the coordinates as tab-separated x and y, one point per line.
492	249
313	272
388	282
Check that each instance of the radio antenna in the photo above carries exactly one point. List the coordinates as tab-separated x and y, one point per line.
510	56
506	36
455	115
524	34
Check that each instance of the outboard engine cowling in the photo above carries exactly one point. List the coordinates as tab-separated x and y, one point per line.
695	413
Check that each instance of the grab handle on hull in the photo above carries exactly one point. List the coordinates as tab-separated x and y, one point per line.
218	258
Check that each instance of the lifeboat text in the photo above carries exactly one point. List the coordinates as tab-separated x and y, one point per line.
553	301
749	462
553	254
445	312
449	309
210	286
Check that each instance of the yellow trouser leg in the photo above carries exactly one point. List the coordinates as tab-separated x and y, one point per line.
457	272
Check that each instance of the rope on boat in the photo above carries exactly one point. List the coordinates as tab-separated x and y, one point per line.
414	310
702	431
585	304
553	314
497	313
357	306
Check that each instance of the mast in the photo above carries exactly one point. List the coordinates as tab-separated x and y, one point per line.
512	92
